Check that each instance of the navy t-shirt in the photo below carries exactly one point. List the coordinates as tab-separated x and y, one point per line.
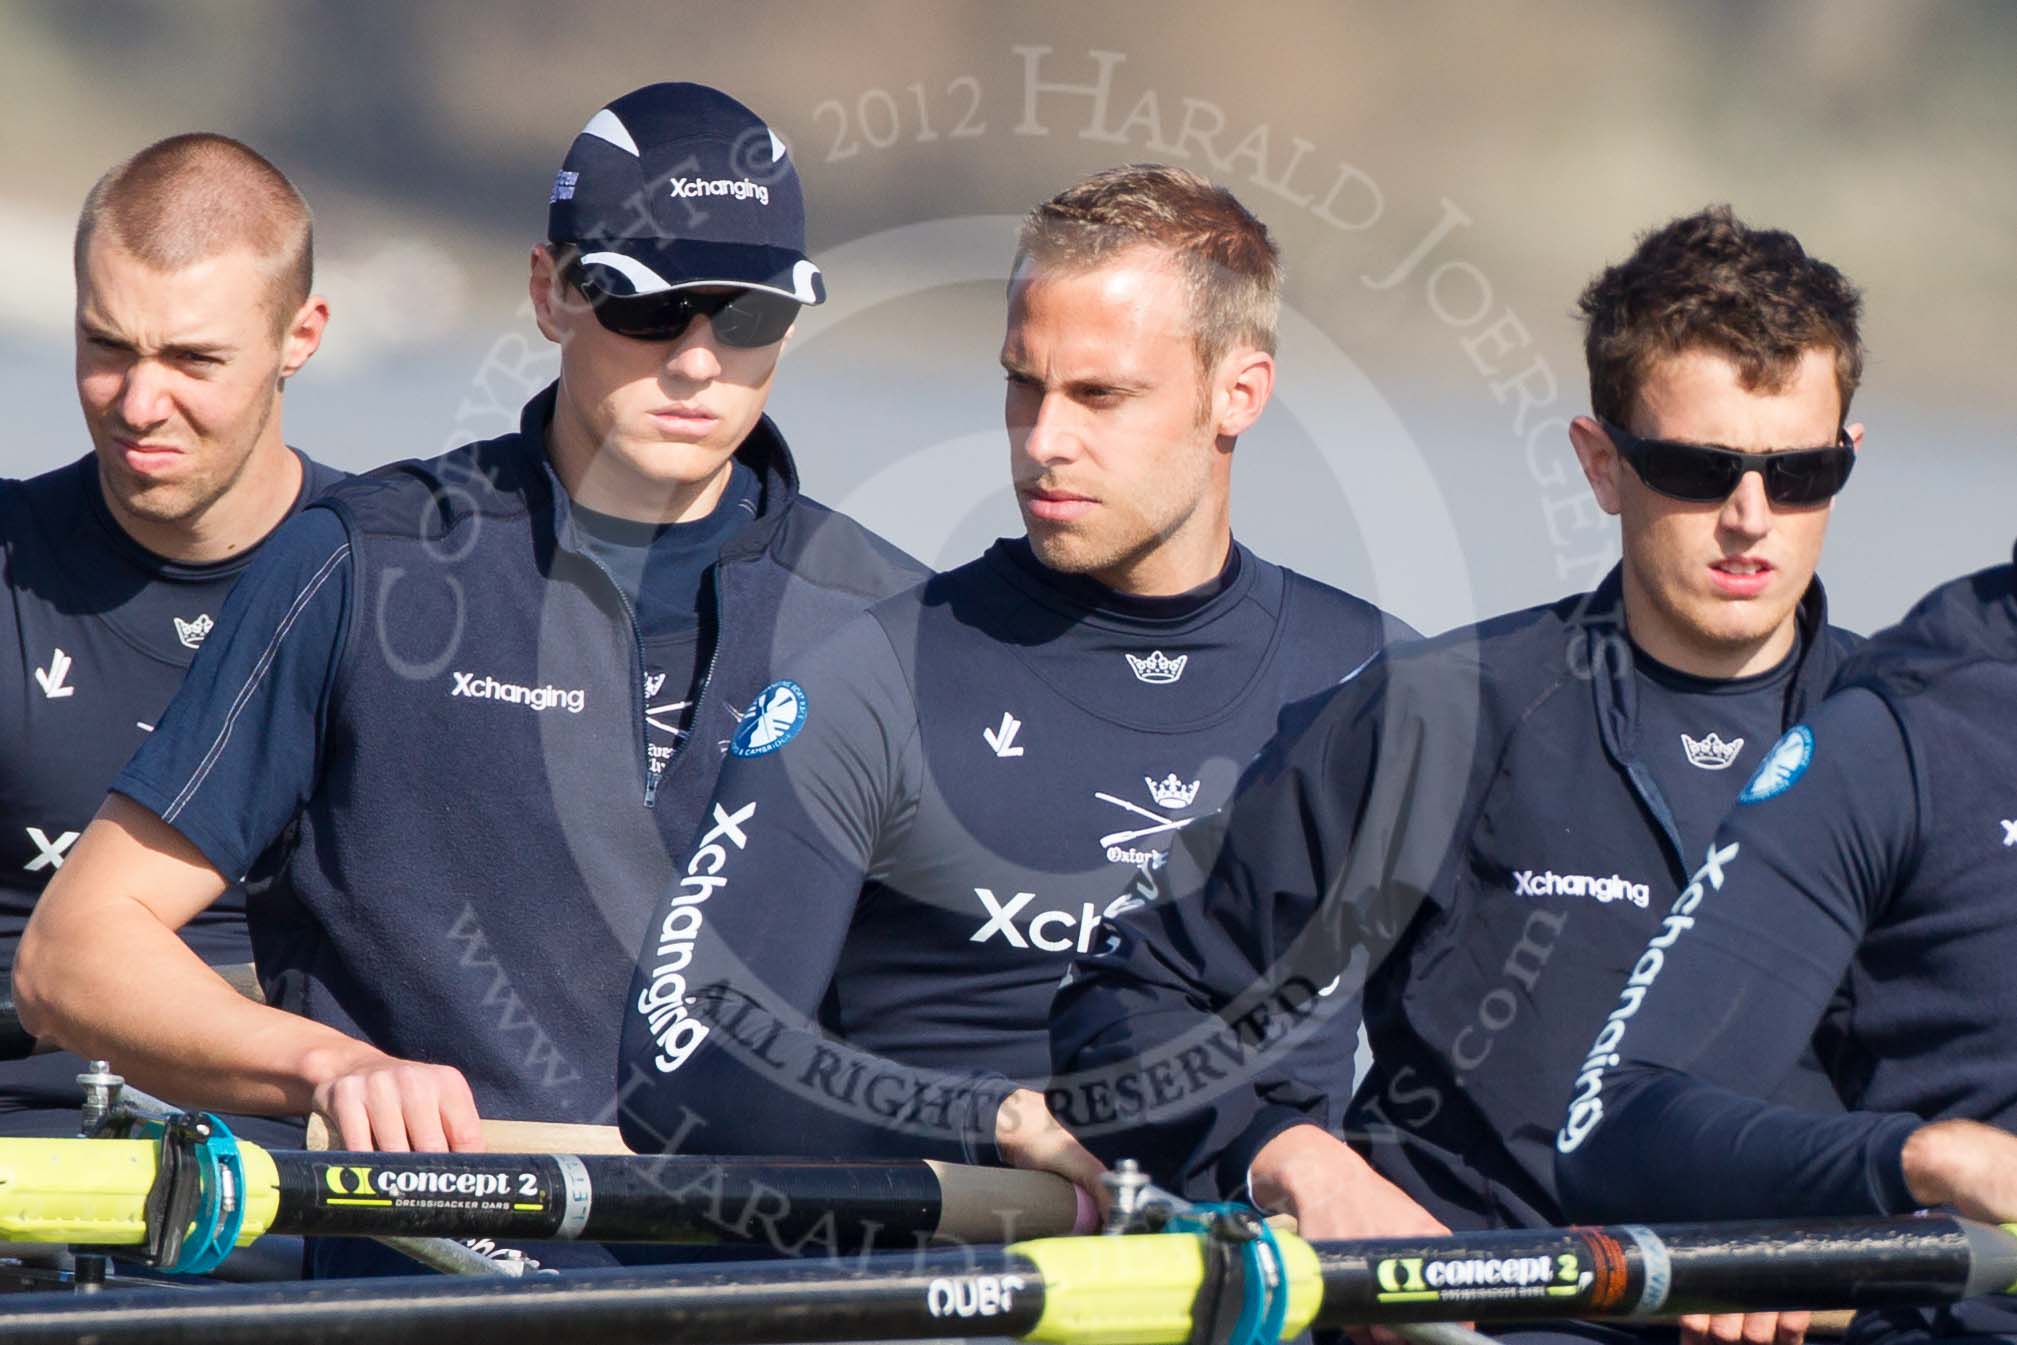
1473	834
921	823
1700	736
1765	933
101	631
437	730
662	570
305	600
1859	894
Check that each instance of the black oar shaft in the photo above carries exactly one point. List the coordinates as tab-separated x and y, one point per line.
1675	1268
787	1206
1081	1291
931	1295
96	1191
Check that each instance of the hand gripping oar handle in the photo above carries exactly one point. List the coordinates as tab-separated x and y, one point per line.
517	1137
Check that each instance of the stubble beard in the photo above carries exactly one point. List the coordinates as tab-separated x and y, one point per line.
176	502
1722	626
1125	535
1075	549
1757	625
1068	551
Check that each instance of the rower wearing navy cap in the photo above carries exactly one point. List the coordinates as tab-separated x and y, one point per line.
467	712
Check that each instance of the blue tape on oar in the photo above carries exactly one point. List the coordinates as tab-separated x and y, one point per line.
210	1147
219	1168
1264	1296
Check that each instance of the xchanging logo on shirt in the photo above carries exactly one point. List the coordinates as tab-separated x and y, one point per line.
1548	883
1586	1104
48	853
664	1002
1050	931
486	688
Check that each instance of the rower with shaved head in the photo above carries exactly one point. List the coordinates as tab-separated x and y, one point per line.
195	263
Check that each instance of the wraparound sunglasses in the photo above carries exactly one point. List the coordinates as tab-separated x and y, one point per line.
1706	474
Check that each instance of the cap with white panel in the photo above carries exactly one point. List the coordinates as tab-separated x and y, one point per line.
676	186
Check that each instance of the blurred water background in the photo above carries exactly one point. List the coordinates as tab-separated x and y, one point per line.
1443	177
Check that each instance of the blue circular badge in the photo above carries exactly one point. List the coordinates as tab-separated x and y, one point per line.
774	719
1783	765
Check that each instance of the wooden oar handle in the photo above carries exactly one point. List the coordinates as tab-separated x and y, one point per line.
979	1204
520	1137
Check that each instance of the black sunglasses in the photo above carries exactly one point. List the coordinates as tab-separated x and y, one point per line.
745	319
1705	474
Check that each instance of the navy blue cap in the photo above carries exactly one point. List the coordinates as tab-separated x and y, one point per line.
675	186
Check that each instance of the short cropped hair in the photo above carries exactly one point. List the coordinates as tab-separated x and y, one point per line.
191	197
1708	281
1231	267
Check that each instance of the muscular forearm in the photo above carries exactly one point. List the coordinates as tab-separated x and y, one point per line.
127	990
102	971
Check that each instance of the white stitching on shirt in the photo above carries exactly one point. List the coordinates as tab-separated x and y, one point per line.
259	671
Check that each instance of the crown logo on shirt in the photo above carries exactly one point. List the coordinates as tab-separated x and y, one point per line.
191	633
1171	792
1158	667
1711	753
